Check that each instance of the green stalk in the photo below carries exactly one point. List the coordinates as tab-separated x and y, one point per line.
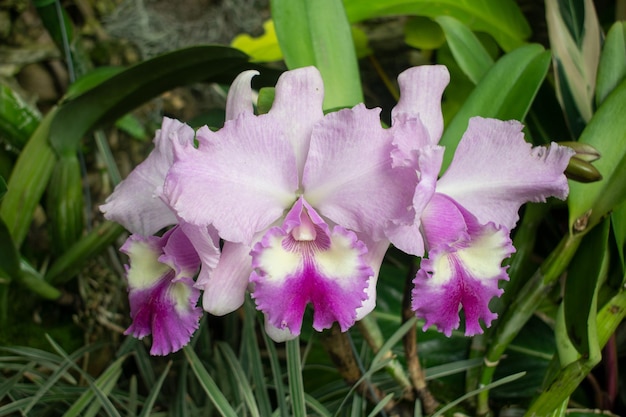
294	372
608	318
522	308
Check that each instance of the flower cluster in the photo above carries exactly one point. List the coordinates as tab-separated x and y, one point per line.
306	205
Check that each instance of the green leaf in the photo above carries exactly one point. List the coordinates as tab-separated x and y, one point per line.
28	181
505	92
208	384
422	33
612	67
318	33
9	268
575	39
18	120
618	220
502	19
589	203
90	80
122	92
3	187
467	50
579	299
294	373
154	392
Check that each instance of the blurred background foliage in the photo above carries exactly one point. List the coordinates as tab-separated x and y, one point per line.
85	83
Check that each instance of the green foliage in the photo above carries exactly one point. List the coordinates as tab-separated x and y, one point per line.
564	302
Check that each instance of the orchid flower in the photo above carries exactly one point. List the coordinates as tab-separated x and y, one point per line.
301	199
162	293
467	215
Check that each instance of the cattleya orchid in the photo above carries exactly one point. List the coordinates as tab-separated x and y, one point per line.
306	205
466	215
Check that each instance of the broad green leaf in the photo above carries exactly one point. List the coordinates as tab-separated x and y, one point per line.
65	203
606	131
505	92
618	219
122	92
467	50
502	19
28	181
90	80
18	120
3	187
612	67
422	33
318	33
575	40
579	299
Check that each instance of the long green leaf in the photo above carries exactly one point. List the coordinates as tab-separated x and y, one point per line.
28	181
505	92
575	39
122	92
317	33
612	67
502	19
208	384
580	297
154	392
294	373
606	131
18	120
467	50
240	378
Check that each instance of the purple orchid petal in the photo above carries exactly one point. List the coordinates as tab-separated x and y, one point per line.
494	171
303	262
297	108
225	288
374	258
427	163
421	89
240	96
463	268
349	177
163	300
135	202
246	168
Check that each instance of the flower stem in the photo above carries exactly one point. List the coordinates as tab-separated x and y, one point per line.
294	372
418	377
522	308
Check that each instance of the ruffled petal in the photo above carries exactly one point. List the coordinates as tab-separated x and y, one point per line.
240	96
462	271
240	179
225	287
421	89
427	163
494	171
349	177
163	300
135	202
374	258
303	262
297	107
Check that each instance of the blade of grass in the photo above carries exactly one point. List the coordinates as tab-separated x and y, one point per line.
277	375
114	371
208	384
294	374
154	392
240	377
470	394
253	354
